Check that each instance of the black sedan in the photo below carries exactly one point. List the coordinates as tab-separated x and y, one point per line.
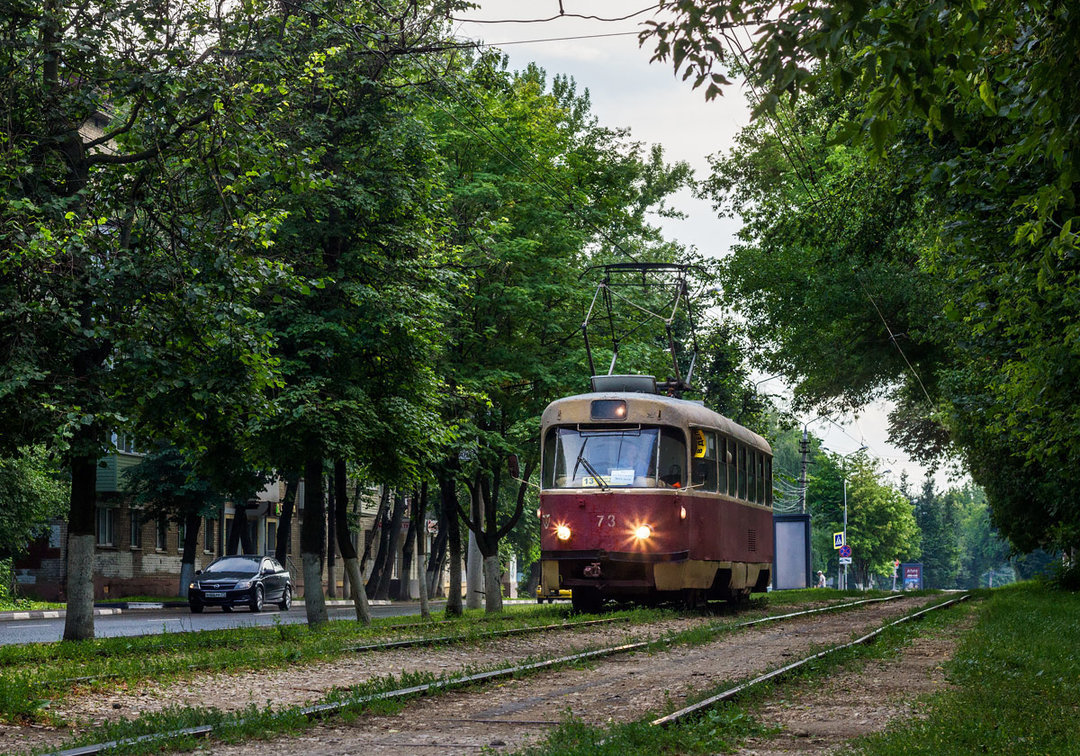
247	581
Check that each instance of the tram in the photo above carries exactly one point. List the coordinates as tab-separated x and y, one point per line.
648	498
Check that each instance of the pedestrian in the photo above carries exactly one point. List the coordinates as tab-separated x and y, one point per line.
820	579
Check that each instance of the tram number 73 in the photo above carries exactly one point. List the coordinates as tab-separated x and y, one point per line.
608	520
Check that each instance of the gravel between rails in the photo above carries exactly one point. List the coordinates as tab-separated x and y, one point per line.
511	714
304	684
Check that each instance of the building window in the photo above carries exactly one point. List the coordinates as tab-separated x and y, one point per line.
136	528
181	531
106	521
162	532
271	536
208	535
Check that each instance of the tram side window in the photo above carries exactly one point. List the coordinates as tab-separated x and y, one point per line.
704	462
752	459
672	457
742	471
722	452
768	482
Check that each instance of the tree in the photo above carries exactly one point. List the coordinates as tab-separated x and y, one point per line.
165	485
522	222
940	537
31	495
122	307
880	520
945	135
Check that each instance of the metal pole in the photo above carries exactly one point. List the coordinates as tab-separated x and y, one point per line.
845	524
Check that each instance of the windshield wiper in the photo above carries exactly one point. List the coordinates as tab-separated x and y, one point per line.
592	471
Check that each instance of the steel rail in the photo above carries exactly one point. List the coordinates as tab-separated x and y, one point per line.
731	693
405	643
319	711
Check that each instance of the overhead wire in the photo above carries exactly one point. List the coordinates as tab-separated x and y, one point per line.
561	15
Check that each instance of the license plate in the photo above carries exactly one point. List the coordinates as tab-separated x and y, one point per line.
215	594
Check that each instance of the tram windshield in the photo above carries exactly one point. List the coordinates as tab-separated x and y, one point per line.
645	457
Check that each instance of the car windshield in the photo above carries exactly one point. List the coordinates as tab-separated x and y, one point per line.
584	457
234	564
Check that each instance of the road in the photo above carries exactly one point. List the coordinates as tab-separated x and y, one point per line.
157	621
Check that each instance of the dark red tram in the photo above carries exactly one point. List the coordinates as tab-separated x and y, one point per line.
649	498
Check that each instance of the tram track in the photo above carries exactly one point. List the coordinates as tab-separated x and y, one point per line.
329	709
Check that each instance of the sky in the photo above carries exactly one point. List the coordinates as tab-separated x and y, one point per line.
628	91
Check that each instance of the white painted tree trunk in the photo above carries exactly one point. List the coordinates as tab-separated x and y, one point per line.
421	571
79	619
474	575
492	584
187	574
357	591
314	602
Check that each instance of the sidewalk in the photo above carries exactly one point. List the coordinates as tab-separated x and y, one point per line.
52	614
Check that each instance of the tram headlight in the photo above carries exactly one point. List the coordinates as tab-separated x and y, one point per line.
562	532
642	532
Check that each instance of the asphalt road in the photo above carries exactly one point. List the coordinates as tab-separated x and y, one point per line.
158	621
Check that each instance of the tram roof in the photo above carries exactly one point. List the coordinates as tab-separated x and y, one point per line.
652	409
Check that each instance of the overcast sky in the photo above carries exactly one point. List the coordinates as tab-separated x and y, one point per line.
627	90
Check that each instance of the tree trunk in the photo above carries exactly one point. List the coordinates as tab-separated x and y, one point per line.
187	560
493	584
311	542
284	532
420	516
438	557
345	544
382	544
331	529
383	591
79	619
404	592
448	492
474	575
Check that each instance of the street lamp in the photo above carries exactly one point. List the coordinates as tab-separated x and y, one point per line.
843	469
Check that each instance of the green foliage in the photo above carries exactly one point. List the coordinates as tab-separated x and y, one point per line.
919	196
1013	683
31	494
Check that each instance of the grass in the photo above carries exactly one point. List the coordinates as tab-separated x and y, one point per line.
724	728
26	605
1018	684
32	676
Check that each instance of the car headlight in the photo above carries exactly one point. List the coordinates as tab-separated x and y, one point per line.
243	584
192	585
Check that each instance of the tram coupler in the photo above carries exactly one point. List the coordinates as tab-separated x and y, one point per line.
592	570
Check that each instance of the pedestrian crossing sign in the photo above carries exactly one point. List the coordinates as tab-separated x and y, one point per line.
838	540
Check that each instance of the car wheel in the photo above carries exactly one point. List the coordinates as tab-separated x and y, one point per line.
257	599
286	599
196	608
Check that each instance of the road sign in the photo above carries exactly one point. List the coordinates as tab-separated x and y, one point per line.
838	540
845	551
845	560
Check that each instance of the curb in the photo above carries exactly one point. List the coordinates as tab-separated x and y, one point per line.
50	614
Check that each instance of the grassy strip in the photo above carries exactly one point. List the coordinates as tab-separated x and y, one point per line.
725	727
252	723
1016	676
29	682
28	605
